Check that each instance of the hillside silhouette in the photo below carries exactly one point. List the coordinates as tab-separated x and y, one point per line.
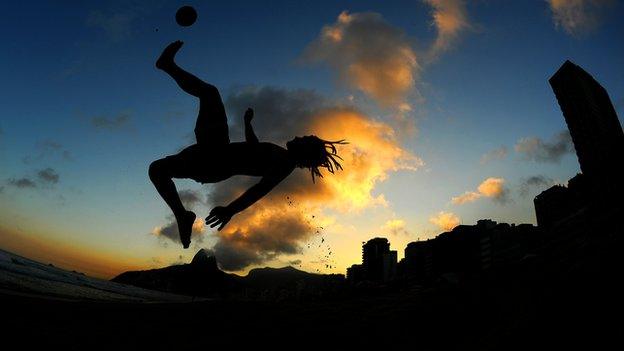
202	277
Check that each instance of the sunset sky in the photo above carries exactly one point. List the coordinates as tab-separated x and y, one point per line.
445	103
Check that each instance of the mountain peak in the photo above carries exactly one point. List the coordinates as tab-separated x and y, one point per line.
202	258
271	270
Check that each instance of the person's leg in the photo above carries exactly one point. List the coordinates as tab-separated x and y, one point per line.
211	126
188	82
161	174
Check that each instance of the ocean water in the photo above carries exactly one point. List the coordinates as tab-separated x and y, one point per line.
22	276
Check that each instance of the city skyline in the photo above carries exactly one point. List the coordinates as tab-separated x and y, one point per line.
464	127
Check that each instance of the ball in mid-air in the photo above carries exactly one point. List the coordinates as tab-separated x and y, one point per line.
186	16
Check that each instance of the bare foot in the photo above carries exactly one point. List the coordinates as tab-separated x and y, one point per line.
185	227
166	58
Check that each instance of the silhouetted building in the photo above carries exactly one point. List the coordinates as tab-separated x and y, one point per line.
372	257
505	244
551	205
378	261
355	273
419	259
457	251
594	127
470	249
559	202
579	190
389	267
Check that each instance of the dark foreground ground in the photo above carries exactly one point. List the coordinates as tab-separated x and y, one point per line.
585	314
568	296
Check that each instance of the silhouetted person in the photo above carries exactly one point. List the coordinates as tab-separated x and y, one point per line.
213	158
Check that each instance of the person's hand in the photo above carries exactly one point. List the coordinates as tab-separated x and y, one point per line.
219	216
249	114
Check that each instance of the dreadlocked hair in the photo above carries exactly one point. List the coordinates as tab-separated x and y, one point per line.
315	153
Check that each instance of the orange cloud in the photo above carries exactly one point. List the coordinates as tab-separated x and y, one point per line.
468	196
395	227
368	54
577	17
445	220
273	226
491	187
280	223
261	234
373	152
449	18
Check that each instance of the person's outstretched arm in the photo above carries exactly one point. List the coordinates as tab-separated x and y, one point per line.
220	216
250	136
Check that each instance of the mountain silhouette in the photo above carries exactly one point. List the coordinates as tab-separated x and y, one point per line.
202	277
284	277
202	260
